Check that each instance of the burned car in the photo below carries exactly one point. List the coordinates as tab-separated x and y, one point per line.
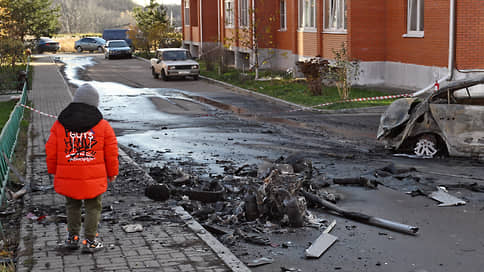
449	121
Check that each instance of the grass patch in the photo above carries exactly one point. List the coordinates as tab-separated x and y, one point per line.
5	110
8	78
294	91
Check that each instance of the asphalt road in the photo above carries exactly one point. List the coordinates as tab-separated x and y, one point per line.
209	123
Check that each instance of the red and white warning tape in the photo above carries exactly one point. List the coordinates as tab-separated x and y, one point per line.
363	99
320	105
37	111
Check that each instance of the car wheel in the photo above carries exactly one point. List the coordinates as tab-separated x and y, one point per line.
427	146
155	75
100	49
163	75
195	77
79	49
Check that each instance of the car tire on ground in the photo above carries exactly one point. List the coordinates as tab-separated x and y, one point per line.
195	77
155	75
100	49
163	75
428	146
79	49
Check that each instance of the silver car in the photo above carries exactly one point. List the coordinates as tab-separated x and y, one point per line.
90	44
117	48
449	121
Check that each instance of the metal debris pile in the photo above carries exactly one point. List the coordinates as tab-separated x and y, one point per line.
250	193
247	202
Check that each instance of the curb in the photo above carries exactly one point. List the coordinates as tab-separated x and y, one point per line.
376	109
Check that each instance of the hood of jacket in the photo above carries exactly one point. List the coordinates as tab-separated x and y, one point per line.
80	117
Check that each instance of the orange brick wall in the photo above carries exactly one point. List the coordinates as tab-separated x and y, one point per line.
375	31
366	29
376	28
330	42
210	21
470	34
287	40
432	50
308	44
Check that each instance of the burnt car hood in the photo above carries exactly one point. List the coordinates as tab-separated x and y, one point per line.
395	115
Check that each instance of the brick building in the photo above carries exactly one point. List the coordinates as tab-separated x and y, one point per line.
400	43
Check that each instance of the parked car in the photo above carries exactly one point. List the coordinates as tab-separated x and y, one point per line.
449	121
117	34
174	62
117	48
90	44
45	44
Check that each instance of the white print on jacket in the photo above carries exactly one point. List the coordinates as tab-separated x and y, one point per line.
79	145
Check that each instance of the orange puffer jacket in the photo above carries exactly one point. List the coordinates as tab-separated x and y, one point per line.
82	152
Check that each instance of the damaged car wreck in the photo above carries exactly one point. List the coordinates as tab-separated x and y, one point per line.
446	122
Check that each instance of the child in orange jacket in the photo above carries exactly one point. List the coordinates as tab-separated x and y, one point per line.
82	153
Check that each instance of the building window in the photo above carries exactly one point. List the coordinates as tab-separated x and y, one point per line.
244	13
335	15
187	12
282	11
307	13
229	13
415	17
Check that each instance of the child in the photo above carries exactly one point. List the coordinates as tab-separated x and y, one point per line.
82	153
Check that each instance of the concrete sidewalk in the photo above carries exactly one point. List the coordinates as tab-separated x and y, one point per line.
170	241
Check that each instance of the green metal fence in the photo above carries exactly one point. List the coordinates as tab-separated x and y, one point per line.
8	139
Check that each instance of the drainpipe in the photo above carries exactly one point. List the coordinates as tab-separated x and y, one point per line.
201	29
219	14
451	61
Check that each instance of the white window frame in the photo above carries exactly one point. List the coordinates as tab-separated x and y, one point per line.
187	13
229	13
335	19
415	15
244	13
307	21
282	15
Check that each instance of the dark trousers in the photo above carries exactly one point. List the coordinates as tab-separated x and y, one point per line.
93	209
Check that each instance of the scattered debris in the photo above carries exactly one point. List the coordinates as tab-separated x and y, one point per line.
445	198
322	243
260	261
133	228
362	181
372	220
20	193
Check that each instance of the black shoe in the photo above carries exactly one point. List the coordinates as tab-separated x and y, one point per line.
72	241
91	246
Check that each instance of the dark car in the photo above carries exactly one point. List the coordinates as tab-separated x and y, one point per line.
117	48
90	44
117	34
46	45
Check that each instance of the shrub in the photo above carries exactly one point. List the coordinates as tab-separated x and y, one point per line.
314	69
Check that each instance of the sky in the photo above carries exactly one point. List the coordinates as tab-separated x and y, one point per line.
166	2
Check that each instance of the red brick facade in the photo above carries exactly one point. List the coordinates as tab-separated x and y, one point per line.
376	31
